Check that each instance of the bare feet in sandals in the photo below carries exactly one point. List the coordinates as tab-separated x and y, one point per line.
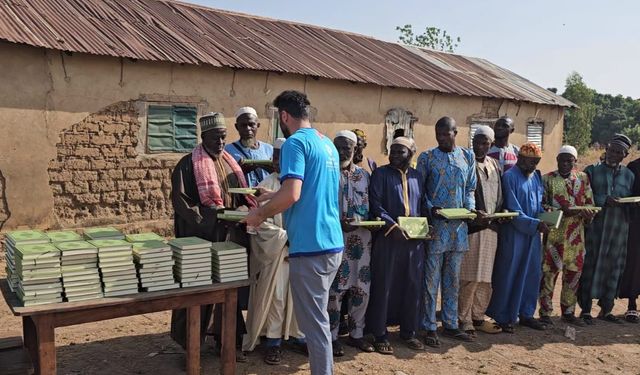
432	340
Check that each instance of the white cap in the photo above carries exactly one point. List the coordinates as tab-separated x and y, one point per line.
566	149
245	110
278	143
347	134
486	131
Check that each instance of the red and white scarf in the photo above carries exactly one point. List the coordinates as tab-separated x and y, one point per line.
206	176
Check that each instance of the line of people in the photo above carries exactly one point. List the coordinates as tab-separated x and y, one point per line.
310	266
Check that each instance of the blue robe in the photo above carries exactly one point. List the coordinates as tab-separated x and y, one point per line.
397	264
518	265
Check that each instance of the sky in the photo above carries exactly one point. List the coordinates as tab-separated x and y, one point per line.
543	40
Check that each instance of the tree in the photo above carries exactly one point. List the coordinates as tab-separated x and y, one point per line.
432	37
577	125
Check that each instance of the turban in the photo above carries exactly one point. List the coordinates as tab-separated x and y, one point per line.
245	110
566	149
406	142
621	140
486	131
212	120
530	150
347	134
360	133
278	143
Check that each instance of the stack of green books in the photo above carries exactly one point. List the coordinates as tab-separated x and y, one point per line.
229	262
192	257
13	239
154	263
38	270
80	276
63	236
143	237
103	233
117	271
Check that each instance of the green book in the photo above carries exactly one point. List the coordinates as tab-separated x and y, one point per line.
27	237
103	233
551	218
63	236
187	243
368	223
456	213
111	244
144	237
257	162
587	208
501	215
242	191
72	246
416	227
230	217
34	251
628	200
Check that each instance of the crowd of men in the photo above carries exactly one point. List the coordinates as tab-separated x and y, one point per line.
315	275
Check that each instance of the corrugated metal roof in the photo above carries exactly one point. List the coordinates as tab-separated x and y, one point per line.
161	30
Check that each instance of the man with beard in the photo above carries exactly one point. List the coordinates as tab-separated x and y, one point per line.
354	276
477	265
310	176
517	268
504	152
200	185
449	174
249	148
607	235
565	189
397	262
630	286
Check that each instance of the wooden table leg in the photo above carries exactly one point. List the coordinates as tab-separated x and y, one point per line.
46	344
229	310
193	340
29	337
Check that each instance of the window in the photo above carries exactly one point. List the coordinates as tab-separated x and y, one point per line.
535	132
398	122
171	128
275	125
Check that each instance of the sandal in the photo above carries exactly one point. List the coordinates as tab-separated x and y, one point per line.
361	344
610	318
273	355
431	339
471	332
383	347
414	344
457	334
632	316
489	327
507	328
338	350
588	319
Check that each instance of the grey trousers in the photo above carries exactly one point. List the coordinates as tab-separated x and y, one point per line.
311	278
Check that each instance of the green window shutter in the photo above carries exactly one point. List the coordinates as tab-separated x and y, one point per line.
184	128
159	128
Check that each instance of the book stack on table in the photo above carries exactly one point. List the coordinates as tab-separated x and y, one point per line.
192	257
229	262
143	237
154	263
103	233
13	239
63	236
117	271
38	270
80	276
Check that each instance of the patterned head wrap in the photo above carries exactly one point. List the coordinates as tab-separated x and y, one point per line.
530	150
360	133
212	120
622	141
406	142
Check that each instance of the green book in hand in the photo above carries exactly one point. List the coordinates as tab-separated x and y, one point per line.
416	227
628	200
552	218
456	213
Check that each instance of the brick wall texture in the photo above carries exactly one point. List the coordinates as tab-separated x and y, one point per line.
99	178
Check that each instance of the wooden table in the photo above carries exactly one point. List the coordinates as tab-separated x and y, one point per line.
39	322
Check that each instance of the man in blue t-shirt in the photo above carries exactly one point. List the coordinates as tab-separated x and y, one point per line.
310	176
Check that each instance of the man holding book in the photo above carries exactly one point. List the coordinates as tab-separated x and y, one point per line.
567	190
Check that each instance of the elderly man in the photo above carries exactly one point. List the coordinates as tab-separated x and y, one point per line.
607	235
397	262
270	311
503	151
565	189
449	174
354	277
249	148
199	187
517	268
477	266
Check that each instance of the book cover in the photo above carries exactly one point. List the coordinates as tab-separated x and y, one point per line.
456	213
416	227
144	237
63	236
551	218
186	243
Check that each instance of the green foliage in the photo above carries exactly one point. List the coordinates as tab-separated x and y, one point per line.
577	127
432	37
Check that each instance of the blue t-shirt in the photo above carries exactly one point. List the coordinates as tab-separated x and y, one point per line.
313	222
263	152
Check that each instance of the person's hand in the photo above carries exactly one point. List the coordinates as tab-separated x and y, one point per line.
587	215
263	194
432	232
612	202
567	212
346	225
481	218
254	218
543	228
435	214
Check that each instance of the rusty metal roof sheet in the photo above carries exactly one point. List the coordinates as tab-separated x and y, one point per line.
164	30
